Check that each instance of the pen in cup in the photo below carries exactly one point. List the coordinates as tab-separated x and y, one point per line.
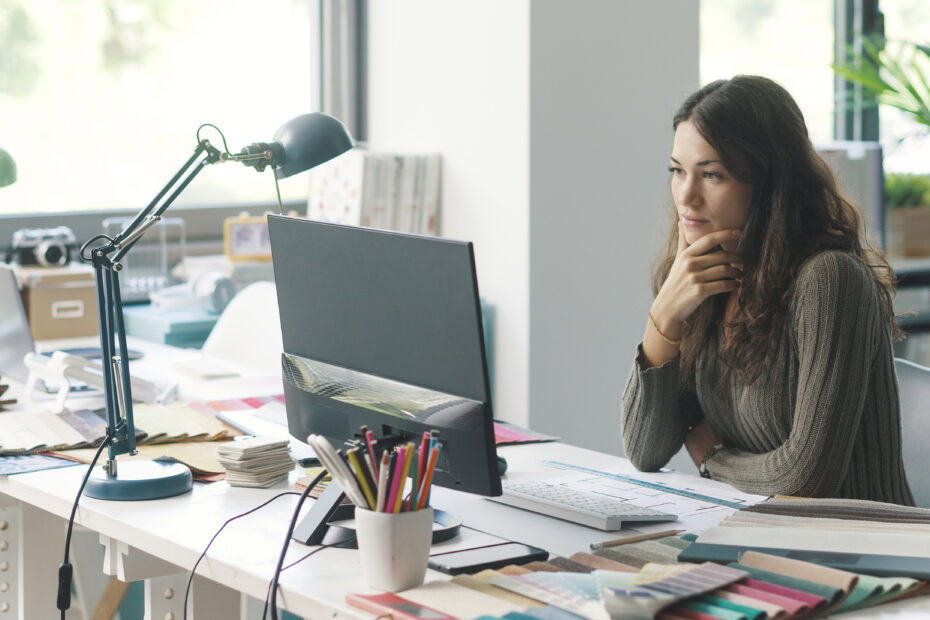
397	481
383	475
337	468
423	495
370	444
393	476
424	455
405	469
362	478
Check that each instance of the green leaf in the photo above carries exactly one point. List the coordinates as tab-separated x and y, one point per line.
905	82
873	82
893	73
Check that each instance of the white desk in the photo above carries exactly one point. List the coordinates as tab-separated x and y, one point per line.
160	540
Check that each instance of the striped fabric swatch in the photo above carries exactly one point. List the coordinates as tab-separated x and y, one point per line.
664	586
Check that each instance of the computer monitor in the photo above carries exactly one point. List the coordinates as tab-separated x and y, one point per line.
384	329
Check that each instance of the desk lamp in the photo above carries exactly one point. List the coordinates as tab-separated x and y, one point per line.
7	169
300	144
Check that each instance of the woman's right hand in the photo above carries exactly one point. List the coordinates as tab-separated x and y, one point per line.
699	271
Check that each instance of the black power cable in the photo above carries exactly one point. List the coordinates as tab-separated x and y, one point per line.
339	544
190	579
287	540
65	571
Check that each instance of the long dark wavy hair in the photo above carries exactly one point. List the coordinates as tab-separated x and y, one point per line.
796	211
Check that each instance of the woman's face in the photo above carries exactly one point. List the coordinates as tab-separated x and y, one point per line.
707	197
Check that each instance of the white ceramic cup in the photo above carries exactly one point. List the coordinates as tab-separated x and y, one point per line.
394	547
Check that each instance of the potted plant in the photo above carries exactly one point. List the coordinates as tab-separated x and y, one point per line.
907	214
898	73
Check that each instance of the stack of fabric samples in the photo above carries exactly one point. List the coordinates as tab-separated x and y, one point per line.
256	461
645	580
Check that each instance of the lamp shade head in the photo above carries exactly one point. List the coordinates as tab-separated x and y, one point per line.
7	169
309	140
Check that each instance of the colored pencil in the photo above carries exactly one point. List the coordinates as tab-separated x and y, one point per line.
370	442
343	463
427	478
634	539
383	476
415	474
396	466
360	473
371	476
424	455
433	441
408	458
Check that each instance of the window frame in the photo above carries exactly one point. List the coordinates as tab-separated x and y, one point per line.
853	21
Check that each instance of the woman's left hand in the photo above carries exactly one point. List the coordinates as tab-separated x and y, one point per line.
700	439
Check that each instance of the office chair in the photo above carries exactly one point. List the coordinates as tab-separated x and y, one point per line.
914	394
249	330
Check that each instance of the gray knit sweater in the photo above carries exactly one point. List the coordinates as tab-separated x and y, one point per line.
822	420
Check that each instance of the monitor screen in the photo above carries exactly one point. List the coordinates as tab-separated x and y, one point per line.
384	329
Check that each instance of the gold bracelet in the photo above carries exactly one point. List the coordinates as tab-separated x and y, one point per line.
659	331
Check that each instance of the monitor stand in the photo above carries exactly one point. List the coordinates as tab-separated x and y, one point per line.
321	525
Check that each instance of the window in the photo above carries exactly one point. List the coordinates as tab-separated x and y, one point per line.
905	143
100	99
789	41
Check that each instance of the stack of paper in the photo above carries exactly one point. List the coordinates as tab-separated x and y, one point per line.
256	462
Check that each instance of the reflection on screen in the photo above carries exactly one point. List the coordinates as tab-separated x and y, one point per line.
372	392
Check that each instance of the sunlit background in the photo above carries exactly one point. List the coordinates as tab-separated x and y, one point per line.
791	41
110	109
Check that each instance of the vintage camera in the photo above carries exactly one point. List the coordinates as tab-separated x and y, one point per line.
48	247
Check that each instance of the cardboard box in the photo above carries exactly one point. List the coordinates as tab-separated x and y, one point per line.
61	302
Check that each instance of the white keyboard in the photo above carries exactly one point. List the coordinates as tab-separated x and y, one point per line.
603	513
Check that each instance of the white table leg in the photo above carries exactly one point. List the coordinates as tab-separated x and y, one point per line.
89	581
164	597
41	550
9	560
165	584
251	607
209	600
213	601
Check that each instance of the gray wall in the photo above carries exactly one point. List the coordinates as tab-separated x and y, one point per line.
553	118
605	79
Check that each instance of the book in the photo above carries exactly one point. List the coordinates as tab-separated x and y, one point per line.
397	191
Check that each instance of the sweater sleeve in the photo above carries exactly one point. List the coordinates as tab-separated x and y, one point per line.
838	317
656	413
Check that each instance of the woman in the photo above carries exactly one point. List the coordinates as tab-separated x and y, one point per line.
767	352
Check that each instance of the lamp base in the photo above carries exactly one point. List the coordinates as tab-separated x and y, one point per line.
139	480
